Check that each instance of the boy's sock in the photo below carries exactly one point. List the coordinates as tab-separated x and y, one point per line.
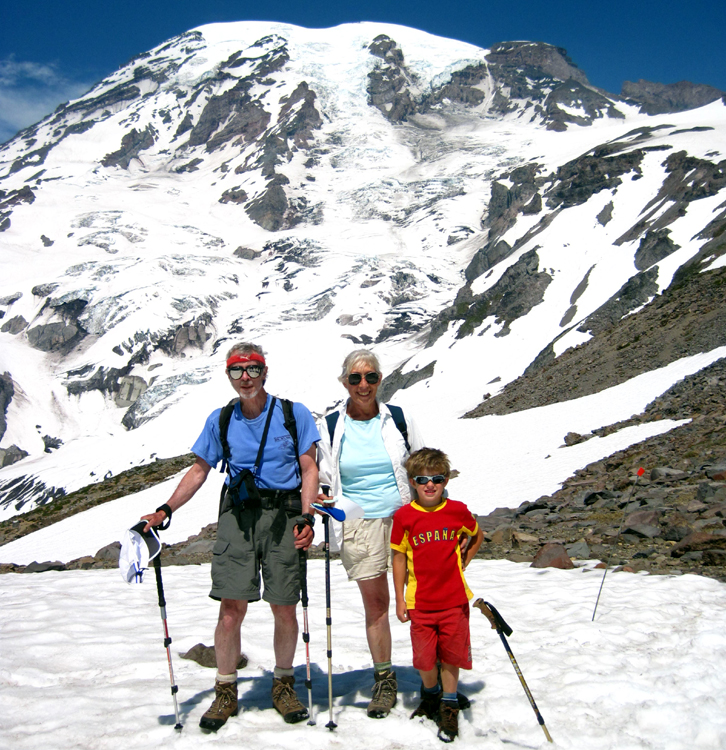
430	691
382	666
450	698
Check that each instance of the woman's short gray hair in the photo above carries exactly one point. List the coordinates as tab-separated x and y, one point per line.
356	357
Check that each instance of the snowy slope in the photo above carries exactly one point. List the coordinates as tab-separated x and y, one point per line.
250	181
647	673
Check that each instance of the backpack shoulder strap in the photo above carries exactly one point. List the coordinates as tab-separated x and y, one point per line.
225	416
400	420
332	420
291	427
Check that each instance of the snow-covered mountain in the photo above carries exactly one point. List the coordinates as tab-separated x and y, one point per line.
464	212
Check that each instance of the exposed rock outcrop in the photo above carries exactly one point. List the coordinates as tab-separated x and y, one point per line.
661	98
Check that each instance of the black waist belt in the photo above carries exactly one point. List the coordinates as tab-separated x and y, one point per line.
271	499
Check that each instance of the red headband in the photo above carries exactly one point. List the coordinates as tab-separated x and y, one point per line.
252	357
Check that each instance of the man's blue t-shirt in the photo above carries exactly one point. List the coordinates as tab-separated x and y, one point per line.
278	469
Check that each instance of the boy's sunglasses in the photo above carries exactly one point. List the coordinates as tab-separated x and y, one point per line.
436	479
371	377
253	371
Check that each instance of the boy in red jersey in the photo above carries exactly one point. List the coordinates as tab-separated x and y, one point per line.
426	544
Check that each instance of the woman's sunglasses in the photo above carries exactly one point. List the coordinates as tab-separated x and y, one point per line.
371	377
436	479
253	371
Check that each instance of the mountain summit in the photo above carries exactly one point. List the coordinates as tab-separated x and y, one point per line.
468	213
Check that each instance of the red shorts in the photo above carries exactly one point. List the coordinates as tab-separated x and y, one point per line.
441	636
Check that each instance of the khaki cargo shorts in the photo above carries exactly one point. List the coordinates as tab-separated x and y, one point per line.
366	549
254	544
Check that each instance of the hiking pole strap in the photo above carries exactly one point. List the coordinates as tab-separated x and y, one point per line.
490	612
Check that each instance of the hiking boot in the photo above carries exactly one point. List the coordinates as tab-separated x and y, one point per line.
463	701
285	700
448	722
223	706
384	694
429	705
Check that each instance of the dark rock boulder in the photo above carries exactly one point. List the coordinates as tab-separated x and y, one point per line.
55	337
110	552
132	144
636	292
44	290
654	246
389	81
233	114
552	555
398	380
572	96
206	656
7	391
578	180
43	567
271	209
11	455
14	325
234	195
699	541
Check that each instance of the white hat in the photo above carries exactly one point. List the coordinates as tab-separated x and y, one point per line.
138	549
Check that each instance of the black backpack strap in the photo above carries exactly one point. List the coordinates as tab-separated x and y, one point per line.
332	420
396	413
291	427
400	420
225	417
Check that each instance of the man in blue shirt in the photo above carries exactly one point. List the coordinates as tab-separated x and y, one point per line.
263	524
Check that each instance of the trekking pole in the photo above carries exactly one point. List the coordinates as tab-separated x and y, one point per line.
306	630
639	474
328	619
167	640
502	628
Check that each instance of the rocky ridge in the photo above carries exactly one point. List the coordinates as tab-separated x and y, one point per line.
672	520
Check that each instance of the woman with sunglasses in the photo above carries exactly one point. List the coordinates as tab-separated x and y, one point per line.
363	460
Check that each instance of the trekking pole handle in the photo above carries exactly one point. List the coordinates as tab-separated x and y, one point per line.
490	612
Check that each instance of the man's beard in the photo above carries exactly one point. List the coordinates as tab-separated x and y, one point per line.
251	393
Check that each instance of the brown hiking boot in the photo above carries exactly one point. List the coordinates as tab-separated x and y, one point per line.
384	695
285	700
223	706
448	722
429	705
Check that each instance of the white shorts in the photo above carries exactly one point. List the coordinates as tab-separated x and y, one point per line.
366	549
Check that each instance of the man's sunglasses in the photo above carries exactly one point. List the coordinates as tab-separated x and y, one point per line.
253	371
436	479
371	377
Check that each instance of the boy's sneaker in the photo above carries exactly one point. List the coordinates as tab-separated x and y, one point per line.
448	722
429	705
223	706
385	691
285	700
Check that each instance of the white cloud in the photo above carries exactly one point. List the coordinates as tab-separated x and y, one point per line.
29	91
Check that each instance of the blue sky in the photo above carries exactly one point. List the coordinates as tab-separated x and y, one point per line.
54	50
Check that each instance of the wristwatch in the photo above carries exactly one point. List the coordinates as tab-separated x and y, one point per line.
309	518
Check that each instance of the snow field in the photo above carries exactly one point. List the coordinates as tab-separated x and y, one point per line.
647	673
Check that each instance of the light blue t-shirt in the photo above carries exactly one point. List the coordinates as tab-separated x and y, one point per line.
366	471
278	468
